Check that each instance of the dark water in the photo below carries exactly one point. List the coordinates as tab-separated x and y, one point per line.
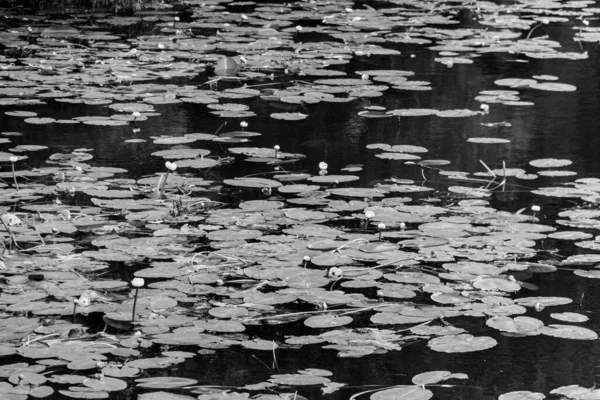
558	125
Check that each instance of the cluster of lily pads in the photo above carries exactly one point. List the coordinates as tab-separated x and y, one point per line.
165	265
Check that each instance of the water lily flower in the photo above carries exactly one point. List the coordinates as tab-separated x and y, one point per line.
298	28
244	17
334	272
84	300
539	307
535	209
381	227
176	19
137	282
364	77
13	160
485	108
306	260
244	124
160	46
369	214
171	166
136	114
402	226
323	165
276	148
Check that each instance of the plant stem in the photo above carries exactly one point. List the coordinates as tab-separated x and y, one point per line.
135	296
15	176
162	187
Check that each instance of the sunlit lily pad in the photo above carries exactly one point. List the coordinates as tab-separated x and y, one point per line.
550	163
461	343
569	332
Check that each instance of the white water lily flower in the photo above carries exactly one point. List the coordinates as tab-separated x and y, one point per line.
323	165
13	159
137	282
369	214
535	208
171	166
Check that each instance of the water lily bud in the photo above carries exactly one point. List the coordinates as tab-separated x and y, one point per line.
160	46
176	19
539	307
219	282
136	130
136	114
402	226
244	16
535	208
276	147
298	28
485	108
348	9
133	51
364	77
244	124
323	165
243	59
545	21
138	333
306	258
13	159
137	282
369	214
379	293
585	22
597	238
78	168
412	56
381	226
171	166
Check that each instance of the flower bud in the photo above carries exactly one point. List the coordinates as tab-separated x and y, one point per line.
381	226
171	166
369	214
323	165
535	208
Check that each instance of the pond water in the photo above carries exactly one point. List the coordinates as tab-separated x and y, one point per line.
324	82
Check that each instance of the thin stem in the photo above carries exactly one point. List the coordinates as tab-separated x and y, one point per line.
15	176
134	304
